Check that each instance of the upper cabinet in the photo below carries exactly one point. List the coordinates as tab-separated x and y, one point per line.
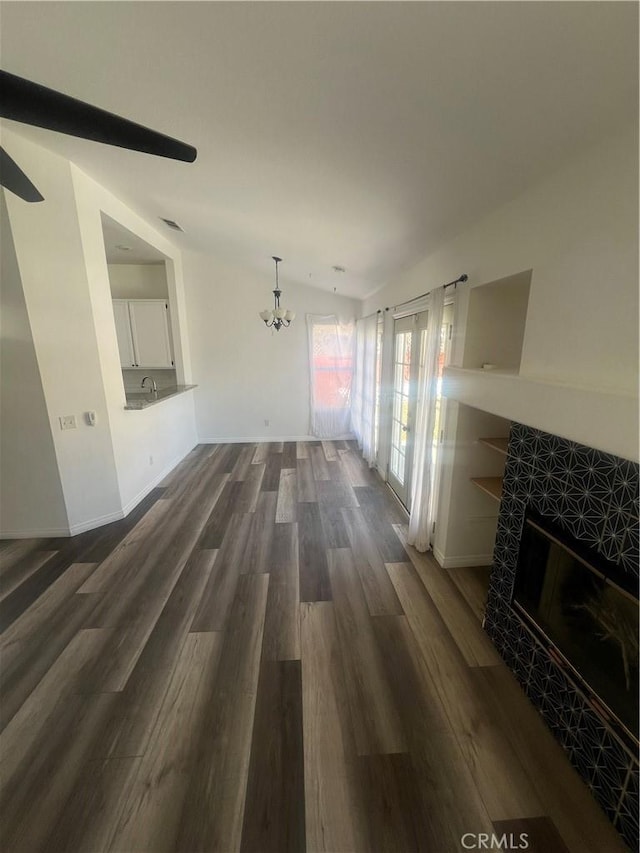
150	331
123	331
142	328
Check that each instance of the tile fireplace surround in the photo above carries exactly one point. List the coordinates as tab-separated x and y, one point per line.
593	496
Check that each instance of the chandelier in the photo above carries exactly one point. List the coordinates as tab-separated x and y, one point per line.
277	316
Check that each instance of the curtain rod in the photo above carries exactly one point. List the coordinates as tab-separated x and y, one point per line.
454	283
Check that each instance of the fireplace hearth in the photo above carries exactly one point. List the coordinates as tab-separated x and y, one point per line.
562	604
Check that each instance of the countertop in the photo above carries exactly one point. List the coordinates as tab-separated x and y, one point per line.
143	399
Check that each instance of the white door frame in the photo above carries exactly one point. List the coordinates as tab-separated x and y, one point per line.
404	385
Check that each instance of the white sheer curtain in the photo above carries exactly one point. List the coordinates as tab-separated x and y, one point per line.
331	352
356	395
386	395
420	520
363	416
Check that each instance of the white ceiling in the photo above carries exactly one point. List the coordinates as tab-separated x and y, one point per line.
360	134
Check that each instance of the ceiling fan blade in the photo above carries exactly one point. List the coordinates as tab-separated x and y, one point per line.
30	103
14	179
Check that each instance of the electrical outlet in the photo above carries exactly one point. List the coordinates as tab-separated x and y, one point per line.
266	422
151	460
68	422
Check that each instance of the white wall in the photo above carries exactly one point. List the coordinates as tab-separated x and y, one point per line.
578	231
105	470
148	443
138	281
56	289
31	499
247	374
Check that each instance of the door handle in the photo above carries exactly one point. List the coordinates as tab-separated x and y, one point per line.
405	429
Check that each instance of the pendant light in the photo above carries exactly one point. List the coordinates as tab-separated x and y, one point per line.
277	317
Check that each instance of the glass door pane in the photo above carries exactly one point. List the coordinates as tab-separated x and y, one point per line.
399	463
409	355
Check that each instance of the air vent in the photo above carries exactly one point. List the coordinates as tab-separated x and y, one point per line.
172	224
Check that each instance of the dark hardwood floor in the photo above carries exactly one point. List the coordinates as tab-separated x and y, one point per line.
254	660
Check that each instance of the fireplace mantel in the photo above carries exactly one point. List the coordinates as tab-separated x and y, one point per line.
591	416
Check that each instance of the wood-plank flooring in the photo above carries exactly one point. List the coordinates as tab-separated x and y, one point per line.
254	660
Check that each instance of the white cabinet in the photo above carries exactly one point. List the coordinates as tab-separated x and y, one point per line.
123	332
150	331
142	329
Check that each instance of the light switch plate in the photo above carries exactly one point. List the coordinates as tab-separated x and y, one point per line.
68	422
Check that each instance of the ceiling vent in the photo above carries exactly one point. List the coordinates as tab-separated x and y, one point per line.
172	224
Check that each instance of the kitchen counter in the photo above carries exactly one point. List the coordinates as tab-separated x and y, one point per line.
143	399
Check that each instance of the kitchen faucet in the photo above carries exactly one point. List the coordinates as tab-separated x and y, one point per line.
154	387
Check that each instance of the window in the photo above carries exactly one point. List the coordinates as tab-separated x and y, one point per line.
331	371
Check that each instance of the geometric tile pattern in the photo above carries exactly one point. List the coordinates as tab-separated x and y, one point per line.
594	497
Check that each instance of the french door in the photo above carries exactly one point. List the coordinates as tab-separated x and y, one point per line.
409	343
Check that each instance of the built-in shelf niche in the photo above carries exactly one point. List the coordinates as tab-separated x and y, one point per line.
489	453
491	486
495	324
473	467
500	444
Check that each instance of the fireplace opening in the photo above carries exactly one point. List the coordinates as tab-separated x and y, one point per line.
587	609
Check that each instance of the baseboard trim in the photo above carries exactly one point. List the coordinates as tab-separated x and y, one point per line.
463	562
133	503
37	533
100	521
255	439
92	523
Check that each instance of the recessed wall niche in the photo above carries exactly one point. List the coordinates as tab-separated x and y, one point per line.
495	325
